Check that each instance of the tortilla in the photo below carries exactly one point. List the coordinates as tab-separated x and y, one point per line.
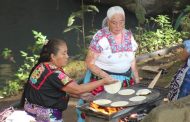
143	92
119	103
137	98
113	88
126	92
102	101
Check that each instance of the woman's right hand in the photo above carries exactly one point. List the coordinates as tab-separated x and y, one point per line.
109	80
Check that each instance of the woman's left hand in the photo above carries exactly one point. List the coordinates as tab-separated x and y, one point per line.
87	96
137	80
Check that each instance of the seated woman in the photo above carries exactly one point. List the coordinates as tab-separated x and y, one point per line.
48	88
180	85
112	52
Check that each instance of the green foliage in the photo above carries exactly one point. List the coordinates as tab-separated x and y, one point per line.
183	19
80	28
40	40
140	12
12	88
79	14
164	36
185	24
75	27
30	59
6	53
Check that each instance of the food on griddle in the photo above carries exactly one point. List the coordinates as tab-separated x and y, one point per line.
126	92
119	103
137	98
113	88
102	101
143	92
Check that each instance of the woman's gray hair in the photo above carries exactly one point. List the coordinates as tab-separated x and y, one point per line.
115	10
111	11
104	22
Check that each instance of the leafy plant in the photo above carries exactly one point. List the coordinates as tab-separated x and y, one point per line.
163	36
30	59
12	88
8	55
183	18
80	28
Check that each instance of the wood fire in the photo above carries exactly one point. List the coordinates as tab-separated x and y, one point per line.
105	110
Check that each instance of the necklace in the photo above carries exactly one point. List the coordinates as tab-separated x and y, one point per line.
119	38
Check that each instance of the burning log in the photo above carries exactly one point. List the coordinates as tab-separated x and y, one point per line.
105	110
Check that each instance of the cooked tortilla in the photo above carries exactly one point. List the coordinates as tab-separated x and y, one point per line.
137	98
126	92
113	88
143	92
119	103
102	101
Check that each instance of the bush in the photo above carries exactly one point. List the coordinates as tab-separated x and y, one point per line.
163	36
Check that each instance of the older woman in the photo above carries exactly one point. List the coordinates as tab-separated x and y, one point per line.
48	87
112	52
180	85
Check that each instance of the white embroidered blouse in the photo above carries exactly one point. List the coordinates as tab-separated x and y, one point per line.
113	57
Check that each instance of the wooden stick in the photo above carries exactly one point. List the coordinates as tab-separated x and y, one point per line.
153	82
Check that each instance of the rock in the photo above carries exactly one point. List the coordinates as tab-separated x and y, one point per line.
152	7
154	69
175	111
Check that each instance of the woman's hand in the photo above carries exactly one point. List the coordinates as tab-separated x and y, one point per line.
137	80
87	96
109	80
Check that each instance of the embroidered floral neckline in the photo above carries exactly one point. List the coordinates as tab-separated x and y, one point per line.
51	65
125	46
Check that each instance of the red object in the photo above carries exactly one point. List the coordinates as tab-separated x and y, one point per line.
83	115
132	82
124	83
98	89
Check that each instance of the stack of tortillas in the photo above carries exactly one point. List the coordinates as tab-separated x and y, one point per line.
113	88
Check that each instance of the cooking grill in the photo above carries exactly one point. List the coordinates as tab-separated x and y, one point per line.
117	97
141	109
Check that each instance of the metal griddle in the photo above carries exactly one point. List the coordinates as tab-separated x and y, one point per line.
117	97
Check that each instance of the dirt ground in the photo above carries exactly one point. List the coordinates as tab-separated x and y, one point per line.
170	62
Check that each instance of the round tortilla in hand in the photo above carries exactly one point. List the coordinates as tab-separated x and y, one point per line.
113	88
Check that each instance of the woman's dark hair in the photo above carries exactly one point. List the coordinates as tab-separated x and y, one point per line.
51	47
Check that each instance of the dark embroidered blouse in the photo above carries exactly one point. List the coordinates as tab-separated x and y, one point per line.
44	87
